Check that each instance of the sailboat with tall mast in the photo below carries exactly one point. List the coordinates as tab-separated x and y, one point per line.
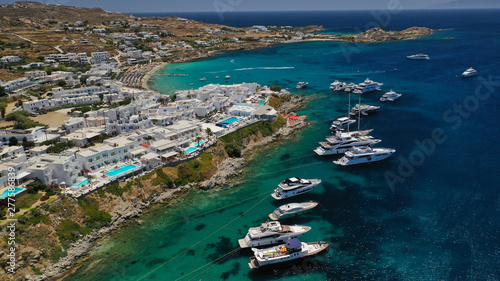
342	142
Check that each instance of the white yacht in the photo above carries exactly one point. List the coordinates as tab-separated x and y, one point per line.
288	210
203	79
342	123
350	87
340	143
367	86
419	57
334	84
271	233
390	96
294	186
469	72
341	86
292	250
364	154
302	85
365	109
227	76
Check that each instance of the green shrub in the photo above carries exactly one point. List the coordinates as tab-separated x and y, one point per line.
57	253
233	150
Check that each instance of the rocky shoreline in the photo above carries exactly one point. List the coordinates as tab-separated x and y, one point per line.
228	170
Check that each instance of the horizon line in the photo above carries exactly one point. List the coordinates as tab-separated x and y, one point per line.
340	10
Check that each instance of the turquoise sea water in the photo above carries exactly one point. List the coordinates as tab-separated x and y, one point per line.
438	222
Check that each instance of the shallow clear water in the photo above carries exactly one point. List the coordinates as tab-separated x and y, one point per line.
439	221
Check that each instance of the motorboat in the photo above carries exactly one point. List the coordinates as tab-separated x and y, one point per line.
418	57
342	123
292	209
390	96
334	84
294	186
292	250
469	73
271	233
203	79
342	142
364	154
302	85
367	86
227	76
364	109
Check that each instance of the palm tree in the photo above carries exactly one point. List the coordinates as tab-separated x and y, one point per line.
198	139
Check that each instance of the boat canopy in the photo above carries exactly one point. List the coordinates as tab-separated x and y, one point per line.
293	243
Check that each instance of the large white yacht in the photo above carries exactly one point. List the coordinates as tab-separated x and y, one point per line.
291	209
342	123
294	186
341	143
271	233
364	109
292	250
367	86
390	96
364	154
335	84
469	72
419	57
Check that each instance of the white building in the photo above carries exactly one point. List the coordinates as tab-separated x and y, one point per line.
10	59
112	151
35	74
54	168
100	56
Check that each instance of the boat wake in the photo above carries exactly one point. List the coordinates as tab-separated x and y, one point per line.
265	68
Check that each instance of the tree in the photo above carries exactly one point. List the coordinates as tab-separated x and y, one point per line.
275	88
3	93
62	83
13	141
198	139
233	150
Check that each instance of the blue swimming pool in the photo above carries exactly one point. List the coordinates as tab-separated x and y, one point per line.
200	143
263	100
191	149
230	120
121	170
6	193
84	182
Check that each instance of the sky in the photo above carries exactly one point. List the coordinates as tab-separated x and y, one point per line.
158	6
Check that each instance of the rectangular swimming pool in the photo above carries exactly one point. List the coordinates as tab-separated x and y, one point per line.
84	182
121	170
230	120
191	149
6	193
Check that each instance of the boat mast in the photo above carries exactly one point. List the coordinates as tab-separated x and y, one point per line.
348	109
359	111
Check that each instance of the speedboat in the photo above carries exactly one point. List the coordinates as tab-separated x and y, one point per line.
227	76
469	73
390	96
302	85
294	186
364	154
203	79
292	250
342	123
288	210
271	233
342	142
418	57
364	109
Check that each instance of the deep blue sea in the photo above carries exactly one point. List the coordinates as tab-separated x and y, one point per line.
430	212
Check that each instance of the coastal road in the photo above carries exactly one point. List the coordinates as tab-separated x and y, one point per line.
24	38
